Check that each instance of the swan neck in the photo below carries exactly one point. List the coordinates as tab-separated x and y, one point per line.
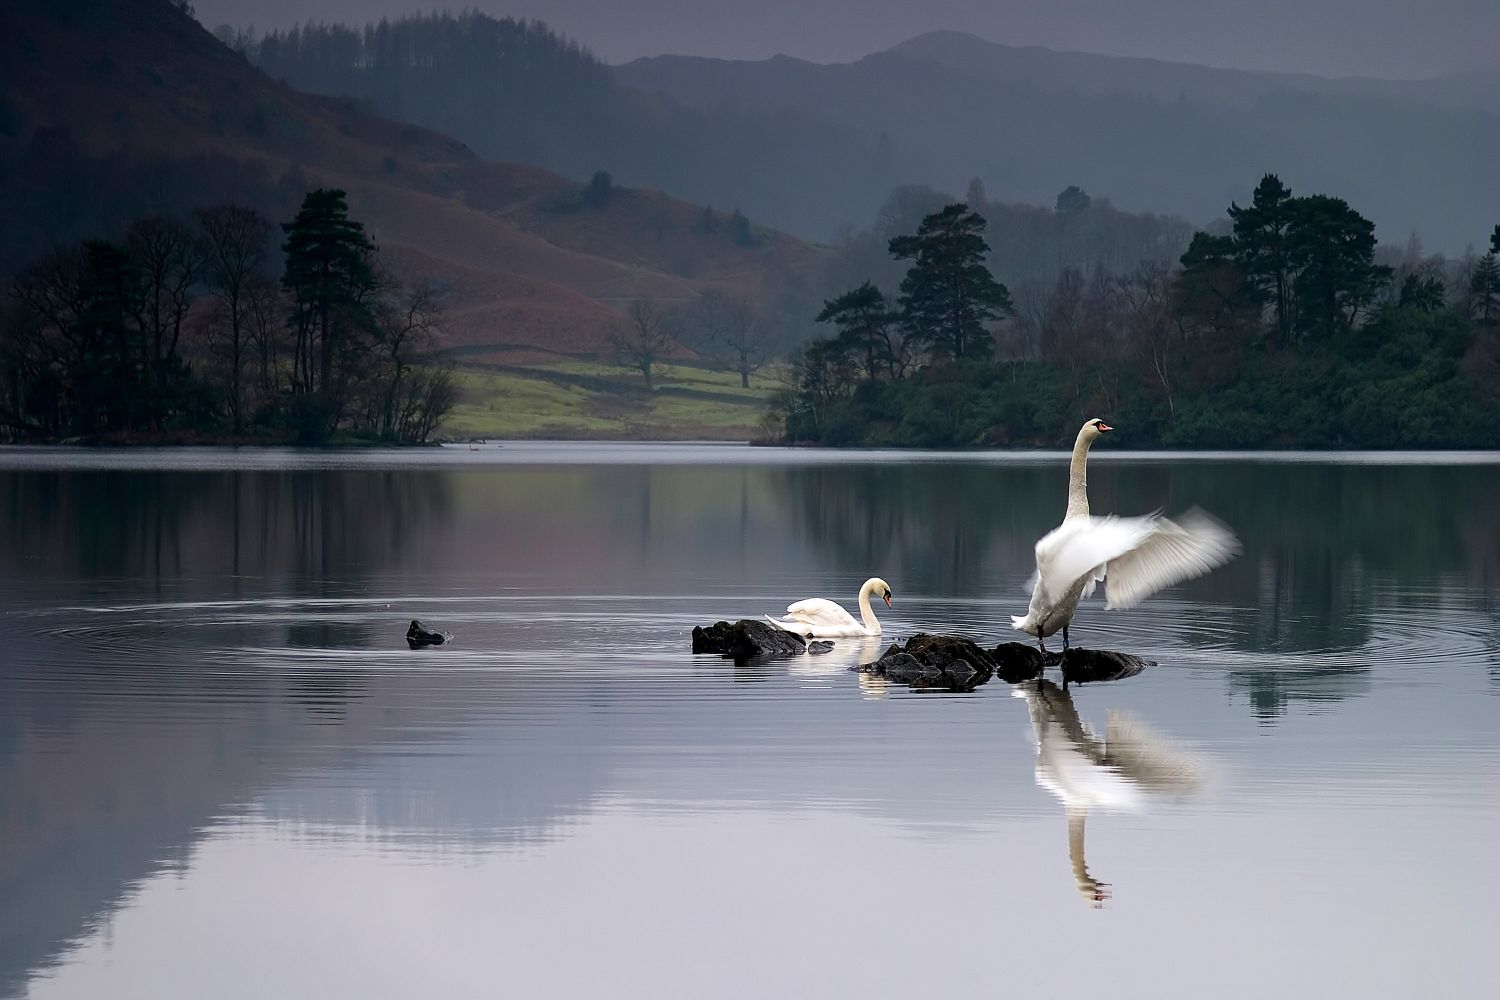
1078	479
866	613
1088	886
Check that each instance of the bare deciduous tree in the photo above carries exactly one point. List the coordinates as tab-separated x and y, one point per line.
407	328
732	332
234	240
168	262
640	338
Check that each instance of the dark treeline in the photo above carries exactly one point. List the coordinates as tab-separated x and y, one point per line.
514	90
1287	330
181	329
413	67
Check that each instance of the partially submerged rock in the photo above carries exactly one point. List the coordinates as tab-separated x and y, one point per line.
943	662
1016	662
417	636
1095	666
749	638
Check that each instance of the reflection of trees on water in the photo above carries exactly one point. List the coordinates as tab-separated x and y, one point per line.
1271	692
326	691
177	528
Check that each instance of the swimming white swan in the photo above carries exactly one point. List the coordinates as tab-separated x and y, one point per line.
820	618
1139	555
1115	774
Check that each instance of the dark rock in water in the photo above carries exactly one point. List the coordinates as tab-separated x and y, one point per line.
820	646
1016	662
417	636
944	662
1095	666
748	638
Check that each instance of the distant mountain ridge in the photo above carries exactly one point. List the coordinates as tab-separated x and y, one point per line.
1415	156
814	148
1104	75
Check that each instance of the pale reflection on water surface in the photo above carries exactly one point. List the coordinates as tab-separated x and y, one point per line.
222	773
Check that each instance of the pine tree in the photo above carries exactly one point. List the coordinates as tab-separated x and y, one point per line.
1333	252
864	319
1263	247
949	294
330	275
1484	289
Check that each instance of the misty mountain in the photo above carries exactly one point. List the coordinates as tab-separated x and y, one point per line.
811	148
1149	135
514	90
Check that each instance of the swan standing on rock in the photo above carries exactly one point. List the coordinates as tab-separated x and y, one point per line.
1140	555
820	618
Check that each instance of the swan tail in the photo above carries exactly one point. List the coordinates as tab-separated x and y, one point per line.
1020	622
785	626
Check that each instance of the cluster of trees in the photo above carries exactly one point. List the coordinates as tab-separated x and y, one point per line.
182	329
1287	329
1029	244
728	331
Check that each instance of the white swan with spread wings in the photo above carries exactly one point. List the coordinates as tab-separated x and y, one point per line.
1134	556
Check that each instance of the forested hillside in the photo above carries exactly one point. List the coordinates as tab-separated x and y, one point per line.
810	148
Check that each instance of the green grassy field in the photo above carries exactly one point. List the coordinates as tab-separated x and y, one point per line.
582	399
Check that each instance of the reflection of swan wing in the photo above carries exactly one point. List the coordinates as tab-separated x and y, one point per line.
1141	554
820	611
1148	759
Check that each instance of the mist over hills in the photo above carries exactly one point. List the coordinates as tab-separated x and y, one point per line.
811	148
1182	139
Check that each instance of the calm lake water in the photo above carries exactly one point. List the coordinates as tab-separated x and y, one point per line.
223	774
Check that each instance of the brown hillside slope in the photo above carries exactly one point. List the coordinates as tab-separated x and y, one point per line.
519	272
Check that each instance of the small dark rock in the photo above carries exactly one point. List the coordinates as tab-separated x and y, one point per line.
748	638
417	636
1095	666
820	646
1016	662
942	662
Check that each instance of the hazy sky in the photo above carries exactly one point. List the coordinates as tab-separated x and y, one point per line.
1393	38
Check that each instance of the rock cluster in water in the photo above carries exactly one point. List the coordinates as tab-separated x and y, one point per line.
945	662
953	663
748	638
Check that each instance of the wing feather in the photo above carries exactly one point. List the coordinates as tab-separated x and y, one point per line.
1137	555
1175	551
819	611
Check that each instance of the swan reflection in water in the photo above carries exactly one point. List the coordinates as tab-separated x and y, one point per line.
1117	773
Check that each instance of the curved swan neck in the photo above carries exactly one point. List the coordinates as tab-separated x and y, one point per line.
1078	479
866	614
1090	888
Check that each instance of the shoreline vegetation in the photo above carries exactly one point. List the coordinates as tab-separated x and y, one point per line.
1283	332
180	331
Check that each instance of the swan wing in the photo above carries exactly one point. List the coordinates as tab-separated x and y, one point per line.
819	611
1082	545
1149	759
1173	552
1138	555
